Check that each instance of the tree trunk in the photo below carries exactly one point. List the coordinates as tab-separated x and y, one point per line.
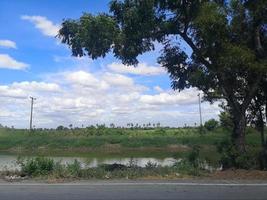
262	135
238	135
261	128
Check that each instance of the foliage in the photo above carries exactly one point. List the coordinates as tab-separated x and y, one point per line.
194	160
226	120
151	165
74	168
211	124
160	131
36	166
193	157
192	164
230	157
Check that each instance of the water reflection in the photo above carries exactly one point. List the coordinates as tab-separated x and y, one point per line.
8	162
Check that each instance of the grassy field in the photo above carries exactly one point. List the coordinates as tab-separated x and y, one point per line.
94	138
112	140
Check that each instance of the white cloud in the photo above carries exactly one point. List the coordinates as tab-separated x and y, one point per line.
128	98
8	44
140	69
6	91
185	97
8	62
122	110
25	89
85	79
158	88
46	26
82	78
118	80
36	86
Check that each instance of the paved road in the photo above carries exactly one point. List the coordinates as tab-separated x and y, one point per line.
132	190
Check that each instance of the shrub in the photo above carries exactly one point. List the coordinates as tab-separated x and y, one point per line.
230	157
191	164
211	124
59	170
151	165
112	167
193	156
160	131
132	163
36	166
75	169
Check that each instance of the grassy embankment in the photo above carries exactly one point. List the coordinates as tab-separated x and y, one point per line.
108	140
82	140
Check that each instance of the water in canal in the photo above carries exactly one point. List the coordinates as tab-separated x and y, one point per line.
9	161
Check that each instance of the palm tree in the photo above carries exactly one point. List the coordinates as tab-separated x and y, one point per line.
70	126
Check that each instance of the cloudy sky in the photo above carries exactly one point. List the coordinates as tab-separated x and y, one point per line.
79	90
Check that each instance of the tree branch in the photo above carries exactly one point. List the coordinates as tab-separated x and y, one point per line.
194	48
257	39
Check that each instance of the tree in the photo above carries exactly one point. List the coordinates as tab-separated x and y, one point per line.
70	126
211	124
227	37
112	125
60	128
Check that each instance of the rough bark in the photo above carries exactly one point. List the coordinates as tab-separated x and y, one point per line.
262	132
238	135
261	124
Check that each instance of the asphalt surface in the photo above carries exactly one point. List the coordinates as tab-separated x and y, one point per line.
154	190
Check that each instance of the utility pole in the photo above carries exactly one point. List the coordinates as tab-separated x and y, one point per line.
200	114
32	99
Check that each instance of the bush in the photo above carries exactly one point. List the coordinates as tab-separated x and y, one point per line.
36	166
211	124
151	165
160	131
195	161
74	169
231	158
113	167
192	164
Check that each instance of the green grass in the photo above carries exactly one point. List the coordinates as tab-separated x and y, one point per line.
112	140
10	138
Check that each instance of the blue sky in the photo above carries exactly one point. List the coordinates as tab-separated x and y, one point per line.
79	91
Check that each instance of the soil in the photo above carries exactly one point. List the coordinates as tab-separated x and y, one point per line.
239	174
